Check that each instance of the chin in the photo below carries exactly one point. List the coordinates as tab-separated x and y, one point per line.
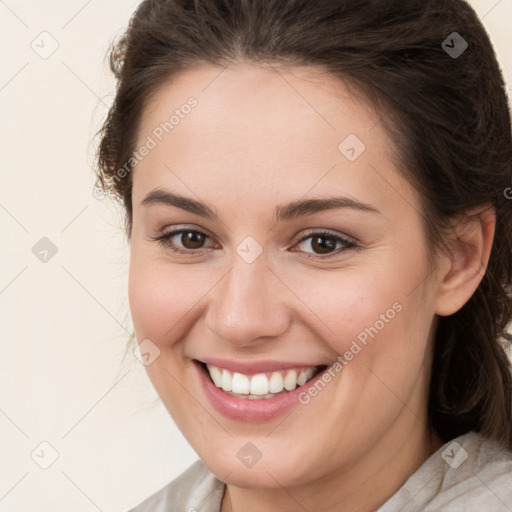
271	472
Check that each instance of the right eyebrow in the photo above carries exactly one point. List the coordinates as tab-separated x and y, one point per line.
159	196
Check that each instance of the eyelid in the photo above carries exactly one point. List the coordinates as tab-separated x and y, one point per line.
346	241
165	236
325	231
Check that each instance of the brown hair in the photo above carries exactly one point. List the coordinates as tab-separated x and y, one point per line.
448	116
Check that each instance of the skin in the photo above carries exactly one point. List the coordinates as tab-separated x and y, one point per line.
263	136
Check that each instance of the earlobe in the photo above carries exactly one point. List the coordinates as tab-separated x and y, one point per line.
471	241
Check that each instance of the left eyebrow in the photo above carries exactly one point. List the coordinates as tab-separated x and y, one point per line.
312	206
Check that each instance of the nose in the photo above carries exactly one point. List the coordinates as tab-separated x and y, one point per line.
248	306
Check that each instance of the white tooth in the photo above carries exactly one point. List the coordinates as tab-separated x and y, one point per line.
290	381
302	378
259	384
215	374
227	380
276	382
240	384
309	373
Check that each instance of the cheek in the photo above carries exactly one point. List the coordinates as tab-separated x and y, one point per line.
370	315
347	305
161	302
164	298
156	297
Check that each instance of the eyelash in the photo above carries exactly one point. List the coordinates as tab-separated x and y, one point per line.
165	241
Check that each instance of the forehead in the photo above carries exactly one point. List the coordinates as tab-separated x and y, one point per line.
260	130
261	95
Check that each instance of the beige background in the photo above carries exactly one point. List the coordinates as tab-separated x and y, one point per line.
65	321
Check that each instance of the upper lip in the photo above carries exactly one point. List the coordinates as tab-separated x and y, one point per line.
253	367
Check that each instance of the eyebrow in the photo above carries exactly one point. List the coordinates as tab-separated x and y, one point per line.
286	212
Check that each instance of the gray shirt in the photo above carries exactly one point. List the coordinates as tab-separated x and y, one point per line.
468	474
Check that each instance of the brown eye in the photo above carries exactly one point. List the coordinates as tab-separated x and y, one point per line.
184	241
324	245
192	239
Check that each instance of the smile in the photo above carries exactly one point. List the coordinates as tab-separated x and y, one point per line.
260	385
255	391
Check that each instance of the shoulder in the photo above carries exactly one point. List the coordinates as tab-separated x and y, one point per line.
469	473
195	490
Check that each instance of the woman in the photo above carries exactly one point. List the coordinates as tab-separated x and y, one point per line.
321	249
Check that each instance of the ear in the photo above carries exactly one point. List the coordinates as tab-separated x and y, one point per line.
471	238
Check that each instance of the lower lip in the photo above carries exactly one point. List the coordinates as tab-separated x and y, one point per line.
244	409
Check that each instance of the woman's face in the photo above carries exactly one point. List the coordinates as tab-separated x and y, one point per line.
302	248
